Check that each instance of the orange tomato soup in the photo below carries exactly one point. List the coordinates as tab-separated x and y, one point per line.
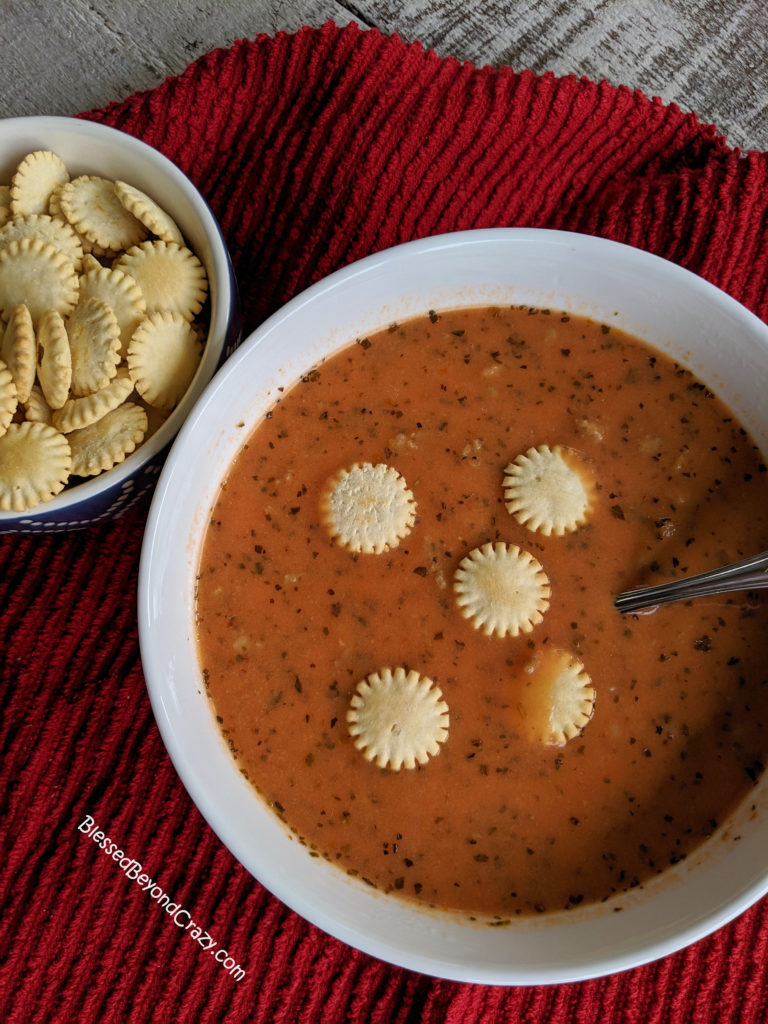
498	823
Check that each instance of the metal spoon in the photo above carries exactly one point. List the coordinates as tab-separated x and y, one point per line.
749	574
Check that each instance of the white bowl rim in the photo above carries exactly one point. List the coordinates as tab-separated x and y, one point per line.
154	562
68	500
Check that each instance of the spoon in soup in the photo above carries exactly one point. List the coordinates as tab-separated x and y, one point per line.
749	574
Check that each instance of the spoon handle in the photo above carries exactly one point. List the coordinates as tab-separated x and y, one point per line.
749	574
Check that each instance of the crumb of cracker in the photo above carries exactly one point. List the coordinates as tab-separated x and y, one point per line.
94	341
105	443
49	229
171	278
502	589
35	274
398	718
90	205
557	697
34	465
33	181
8	397
150	213
54	359
163	356
549	490
368	508
120	292
81	412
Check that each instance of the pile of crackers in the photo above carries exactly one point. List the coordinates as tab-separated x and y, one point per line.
101	325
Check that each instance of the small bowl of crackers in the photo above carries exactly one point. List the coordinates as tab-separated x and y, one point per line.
118	302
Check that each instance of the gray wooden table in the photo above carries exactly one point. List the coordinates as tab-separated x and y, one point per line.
710	57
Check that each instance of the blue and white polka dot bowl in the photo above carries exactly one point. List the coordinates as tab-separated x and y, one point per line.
91	148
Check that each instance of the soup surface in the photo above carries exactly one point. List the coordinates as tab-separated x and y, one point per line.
498	822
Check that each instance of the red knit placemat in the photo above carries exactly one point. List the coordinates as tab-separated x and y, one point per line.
314	150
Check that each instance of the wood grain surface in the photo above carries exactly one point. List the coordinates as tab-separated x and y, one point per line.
709	57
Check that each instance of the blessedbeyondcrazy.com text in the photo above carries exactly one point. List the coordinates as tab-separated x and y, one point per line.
180	917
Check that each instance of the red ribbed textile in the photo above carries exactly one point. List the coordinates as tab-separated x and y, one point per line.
313	150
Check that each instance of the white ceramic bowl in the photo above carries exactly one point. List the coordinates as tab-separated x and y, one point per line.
698	325
90	148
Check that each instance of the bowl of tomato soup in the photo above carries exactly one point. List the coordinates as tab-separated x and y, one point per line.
511	850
